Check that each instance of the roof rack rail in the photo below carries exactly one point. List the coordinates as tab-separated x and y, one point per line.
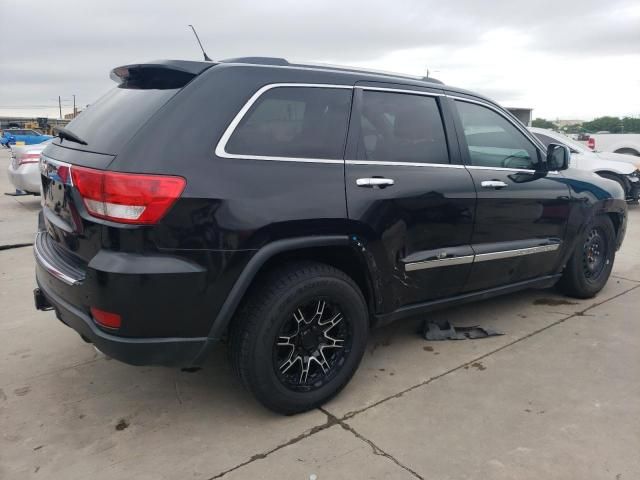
432	80
257	60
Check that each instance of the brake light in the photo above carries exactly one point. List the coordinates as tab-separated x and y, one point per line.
27	158
126	197
106	319
591	143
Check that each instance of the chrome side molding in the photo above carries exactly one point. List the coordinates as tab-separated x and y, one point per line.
480	257
438	262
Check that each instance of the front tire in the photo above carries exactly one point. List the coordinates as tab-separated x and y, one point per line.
299	337
590	264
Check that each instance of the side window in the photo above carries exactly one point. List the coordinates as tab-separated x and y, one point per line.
493	141
296	122
400	127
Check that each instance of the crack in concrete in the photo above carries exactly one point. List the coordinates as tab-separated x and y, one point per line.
15	245
374	448
260	456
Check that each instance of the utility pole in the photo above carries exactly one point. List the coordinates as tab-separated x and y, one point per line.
60	106
75	112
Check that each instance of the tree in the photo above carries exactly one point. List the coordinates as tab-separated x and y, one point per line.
573	128
542	123
631	125
603	124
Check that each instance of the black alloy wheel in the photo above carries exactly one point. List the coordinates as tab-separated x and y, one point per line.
591	261
594	253
300	336
312	345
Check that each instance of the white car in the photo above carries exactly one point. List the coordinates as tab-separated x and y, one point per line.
24	169
621	168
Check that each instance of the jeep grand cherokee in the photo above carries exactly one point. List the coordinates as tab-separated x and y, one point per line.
290	208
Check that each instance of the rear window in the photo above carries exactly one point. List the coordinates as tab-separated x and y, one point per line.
294	122
111	121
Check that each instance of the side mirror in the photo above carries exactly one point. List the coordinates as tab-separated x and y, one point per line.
558	157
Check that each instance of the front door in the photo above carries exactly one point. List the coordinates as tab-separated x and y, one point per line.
522	210
413	206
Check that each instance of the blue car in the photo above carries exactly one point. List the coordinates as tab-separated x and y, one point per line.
28	137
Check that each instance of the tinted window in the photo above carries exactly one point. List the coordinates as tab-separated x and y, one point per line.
493	141
398	127
15	132
110	122
298	122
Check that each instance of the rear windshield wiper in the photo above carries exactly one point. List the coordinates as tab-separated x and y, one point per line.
65	134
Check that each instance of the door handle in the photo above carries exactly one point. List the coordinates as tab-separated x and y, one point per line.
373	182
497	184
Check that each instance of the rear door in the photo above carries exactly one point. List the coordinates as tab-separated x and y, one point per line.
522	210
413	206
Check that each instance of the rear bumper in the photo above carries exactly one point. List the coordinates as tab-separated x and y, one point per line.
181	352
157	297
25	177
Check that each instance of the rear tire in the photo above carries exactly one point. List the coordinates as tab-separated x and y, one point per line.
299	337
591	262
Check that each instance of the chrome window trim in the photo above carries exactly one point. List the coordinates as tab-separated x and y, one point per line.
221	148
403	164
502	169
399	90
60	275
536	143
479	257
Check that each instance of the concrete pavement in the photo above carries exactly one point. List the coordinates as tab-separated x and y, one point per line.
558	396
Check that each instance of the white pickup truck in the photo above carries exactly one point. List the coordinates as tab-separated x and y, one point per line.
627	143
623	169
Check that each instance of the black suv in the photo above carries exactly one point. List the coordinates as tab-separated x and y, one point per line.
290	208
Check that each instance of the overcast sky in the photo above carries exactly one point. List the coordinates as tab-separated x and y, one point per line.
568	59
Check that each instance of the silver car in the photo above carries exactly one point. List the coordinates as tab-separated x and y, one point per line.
24	171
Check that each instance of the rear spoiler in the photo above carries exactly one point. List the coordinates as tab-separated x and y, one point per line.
160	74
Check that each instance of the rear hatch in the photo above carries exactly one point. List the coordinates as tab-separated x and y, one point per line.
81	198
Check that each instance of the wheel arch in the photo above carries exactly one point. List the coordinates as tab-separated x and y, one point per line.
627	150
607	172
340	251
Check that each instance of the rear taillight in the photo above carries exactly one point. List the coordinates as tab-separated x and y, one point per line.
106	319
126	197
27	158
591	143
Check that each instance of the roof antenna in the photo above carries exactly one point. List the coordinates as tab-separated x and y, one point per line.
206	57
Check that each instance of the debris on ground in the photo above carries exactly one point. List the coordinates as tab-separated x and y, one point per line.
443	330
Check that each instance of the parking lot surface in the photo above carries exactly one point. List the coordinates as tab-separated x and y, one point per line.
557	396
